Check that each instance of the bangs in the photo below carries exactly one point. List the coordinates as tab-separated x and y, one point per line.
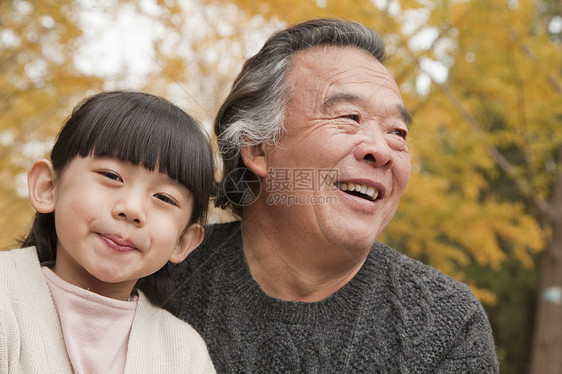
156	141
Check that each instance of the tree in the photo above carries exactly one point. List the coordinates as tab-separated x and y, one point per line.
38	85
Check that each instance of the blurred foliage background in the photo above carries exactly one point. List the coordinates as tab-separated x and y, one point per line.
482	78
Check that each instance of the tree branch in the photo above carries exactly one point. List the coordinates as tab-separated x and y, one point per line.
528	52
543	206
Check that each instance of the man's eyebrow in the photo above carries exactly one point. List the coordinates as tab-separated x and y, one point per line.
335	98
406	116
350	98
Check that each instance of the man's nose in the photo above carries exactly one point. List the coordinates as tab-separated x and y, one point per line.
375	149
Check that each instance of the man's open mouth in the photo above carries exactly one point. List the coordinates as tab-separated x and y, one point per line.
361	190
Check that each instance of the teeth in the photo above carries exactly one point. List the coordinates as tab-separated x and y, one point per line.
363	188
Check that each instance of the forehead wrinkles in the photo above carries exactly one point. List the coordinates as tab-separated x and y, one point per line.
320	71
365	84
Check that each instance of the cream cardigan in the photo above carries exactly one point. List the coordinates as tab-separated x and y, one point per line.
31	338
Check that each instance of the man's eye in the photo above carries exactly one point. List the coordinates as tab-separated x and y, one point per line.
401	133
353	117
167	199
111	175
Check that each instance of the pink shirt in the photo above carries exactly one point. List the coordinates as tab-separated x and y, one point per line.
95	328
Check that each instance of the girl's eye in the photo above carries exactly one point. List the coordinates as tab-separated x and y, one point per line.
167	199
111	175
400	132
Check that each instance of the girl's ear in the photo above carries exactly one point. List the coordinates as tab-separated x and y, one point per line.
187	243
41	185
254	159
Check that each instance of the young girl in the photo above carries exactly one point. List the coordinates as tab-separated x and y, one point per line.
128	181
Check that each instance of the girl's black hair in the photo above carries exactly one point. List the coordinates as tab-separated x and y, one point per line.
145	130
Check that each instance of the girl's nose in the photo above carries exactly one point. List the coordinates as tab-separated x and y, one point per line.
131	208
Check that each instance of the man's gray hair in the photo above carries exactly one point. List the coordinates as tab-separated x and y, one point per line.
254	111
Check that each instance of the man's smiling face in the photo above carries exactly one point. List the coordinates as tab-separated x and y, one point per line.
345	113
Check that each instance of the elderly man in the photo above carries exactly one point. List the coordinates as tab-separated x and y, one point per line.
314	141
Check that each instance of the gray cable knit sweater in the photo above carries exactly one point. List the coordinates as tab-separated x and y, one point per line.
395	316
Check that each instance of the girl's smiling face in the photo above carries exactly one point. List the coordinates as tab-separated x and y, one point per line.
116	222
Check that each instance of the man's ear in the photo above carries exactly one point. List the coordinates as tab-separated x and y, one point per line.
187	243
41	185
254	159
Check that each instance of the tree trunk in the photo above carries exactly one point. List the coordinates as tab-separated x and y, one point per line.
546	351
